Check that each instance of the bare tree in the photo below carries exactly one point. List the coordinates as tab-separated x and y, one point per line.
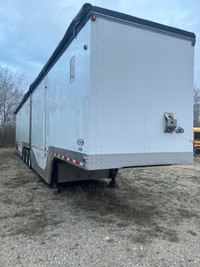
11	94
196	107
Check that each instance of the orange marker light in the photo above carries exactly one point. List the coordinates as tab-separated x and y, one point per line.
93	18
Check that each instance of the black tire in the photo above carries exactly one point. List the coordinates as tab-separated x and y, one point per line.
24	155
197	152
27	156
29	160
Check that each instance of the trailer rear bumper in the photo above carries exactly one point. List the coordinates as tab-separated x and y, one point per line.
110	161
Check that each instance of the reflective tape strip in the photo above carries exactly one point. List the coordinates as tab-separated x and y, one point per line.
60	156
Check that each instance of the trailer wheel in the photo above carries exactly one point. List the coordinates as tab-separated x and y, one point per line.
27	156
197	152
29	161
24	155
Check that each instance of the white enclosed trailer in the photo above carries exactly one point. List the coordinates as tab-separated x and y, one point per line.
116	92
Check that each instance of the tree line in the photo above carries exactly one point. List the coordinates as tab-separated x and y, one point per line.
11	93
196	107
11	85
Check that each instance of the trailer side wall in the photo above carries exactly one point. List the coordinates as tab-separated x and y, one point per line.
22	127
60	104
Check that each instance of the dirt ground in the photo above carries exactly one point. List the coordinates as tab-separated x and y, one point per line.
152	218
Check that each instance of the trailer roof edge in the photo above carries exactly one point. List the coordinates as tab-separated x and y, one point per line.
143	22
79	21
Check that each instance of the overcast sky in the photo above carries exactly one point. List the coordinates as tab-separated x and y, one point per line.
31	29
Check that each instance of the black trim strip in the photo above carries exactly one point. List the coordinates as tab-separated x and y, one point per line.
79	21
143	22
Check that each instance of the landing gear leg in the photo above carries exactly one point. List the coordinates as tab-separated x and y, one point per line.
54	180
56	191
113	174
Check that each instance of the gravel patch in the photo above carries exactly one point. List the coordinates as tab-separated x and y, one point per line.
152	218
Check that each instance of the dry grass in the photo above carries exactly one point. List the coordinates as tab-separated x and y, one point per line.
152	202
93	199
9	150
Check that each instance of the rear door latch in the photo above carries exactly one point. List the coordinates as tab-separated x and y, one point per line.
171	122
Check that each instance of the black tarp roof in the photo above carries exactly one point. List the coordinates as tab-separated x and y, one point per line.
79	21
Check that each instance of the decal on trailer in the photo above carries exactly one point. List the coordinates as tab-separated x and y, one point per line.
80	142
